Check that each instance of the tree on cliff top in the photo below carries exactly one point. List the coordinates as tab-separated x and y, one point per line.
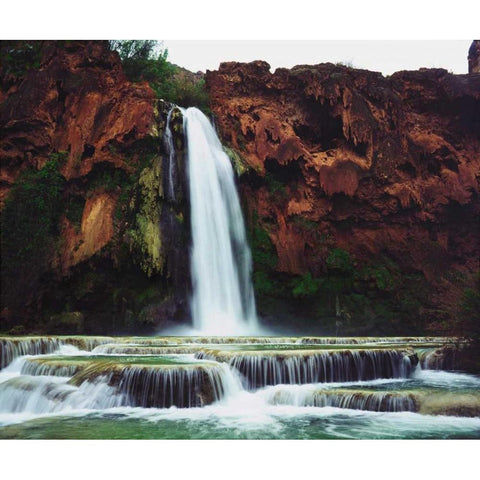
146	60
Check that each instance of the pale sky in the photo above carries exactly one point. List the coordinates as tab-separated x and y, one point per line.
386	56
390	36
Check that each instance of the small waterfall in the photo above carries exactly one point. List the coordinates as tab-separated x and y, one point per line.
108	385
373	340
443	358
11	348
352	399
222	301
41	366
170	148
27	394
183	386
261	369
145	350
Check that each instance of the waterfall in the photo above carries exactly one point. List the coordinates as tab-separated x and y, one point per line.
312	396
222	301
264	368
13	347
170	148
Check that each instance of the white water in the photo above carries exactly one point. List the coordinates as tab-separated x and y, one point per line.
223	300
170	147
343	409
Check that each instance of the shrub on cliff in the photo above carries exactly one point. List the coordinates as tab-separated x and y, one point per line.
29	224
145	60
17	57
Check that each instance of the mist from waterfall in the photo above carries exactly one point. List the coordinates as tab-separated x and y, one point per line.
223	300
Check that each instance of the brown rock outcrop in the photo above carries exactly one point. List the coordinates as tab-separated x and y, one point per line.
69	102
95	232
78	104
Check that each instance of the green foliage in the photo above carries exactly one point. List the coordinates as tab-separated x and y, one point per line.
59	157
338	260
263	284
469	315
381	274
263	251
107	180
146	60
146	236
74	209
276	188
17	57
29	229
189	93
305	286
304	223
238	163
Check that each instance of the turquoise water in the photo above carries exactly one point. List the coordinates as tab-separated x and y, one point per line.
279	423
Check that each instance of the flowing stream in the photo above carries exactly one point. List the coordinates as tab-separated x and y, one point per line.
233	387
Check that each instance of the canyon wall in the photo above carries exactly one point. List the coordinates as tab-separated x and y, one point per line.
86	226
361	191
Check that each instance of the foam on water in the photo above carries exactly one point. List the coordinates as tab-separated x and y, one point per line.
309	410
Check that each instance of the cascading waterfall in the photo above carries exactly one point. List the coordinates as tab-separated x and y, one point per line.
310	396
170	148
223	300
222	382
13	347
261	369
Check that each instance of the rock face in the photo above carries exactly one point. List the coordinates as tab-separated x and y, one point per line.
72	107
345	165
79	104
474	57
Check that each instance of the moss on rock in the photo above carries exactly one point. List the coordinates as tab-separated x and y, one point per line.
146	236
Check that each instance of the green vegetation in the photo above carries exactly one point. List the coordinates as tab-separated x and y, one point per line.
17	57
59	157
305	224
305	286
74	209
263	251
146	60
469	316
239	164
375	296
29	224
146	236
275	187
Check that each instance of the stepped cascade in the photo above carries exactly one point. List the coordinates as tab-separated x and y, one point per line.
215	387
223	300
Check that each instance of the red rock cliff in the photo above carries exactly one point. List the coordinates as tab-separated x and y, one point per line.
344	158
77	108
